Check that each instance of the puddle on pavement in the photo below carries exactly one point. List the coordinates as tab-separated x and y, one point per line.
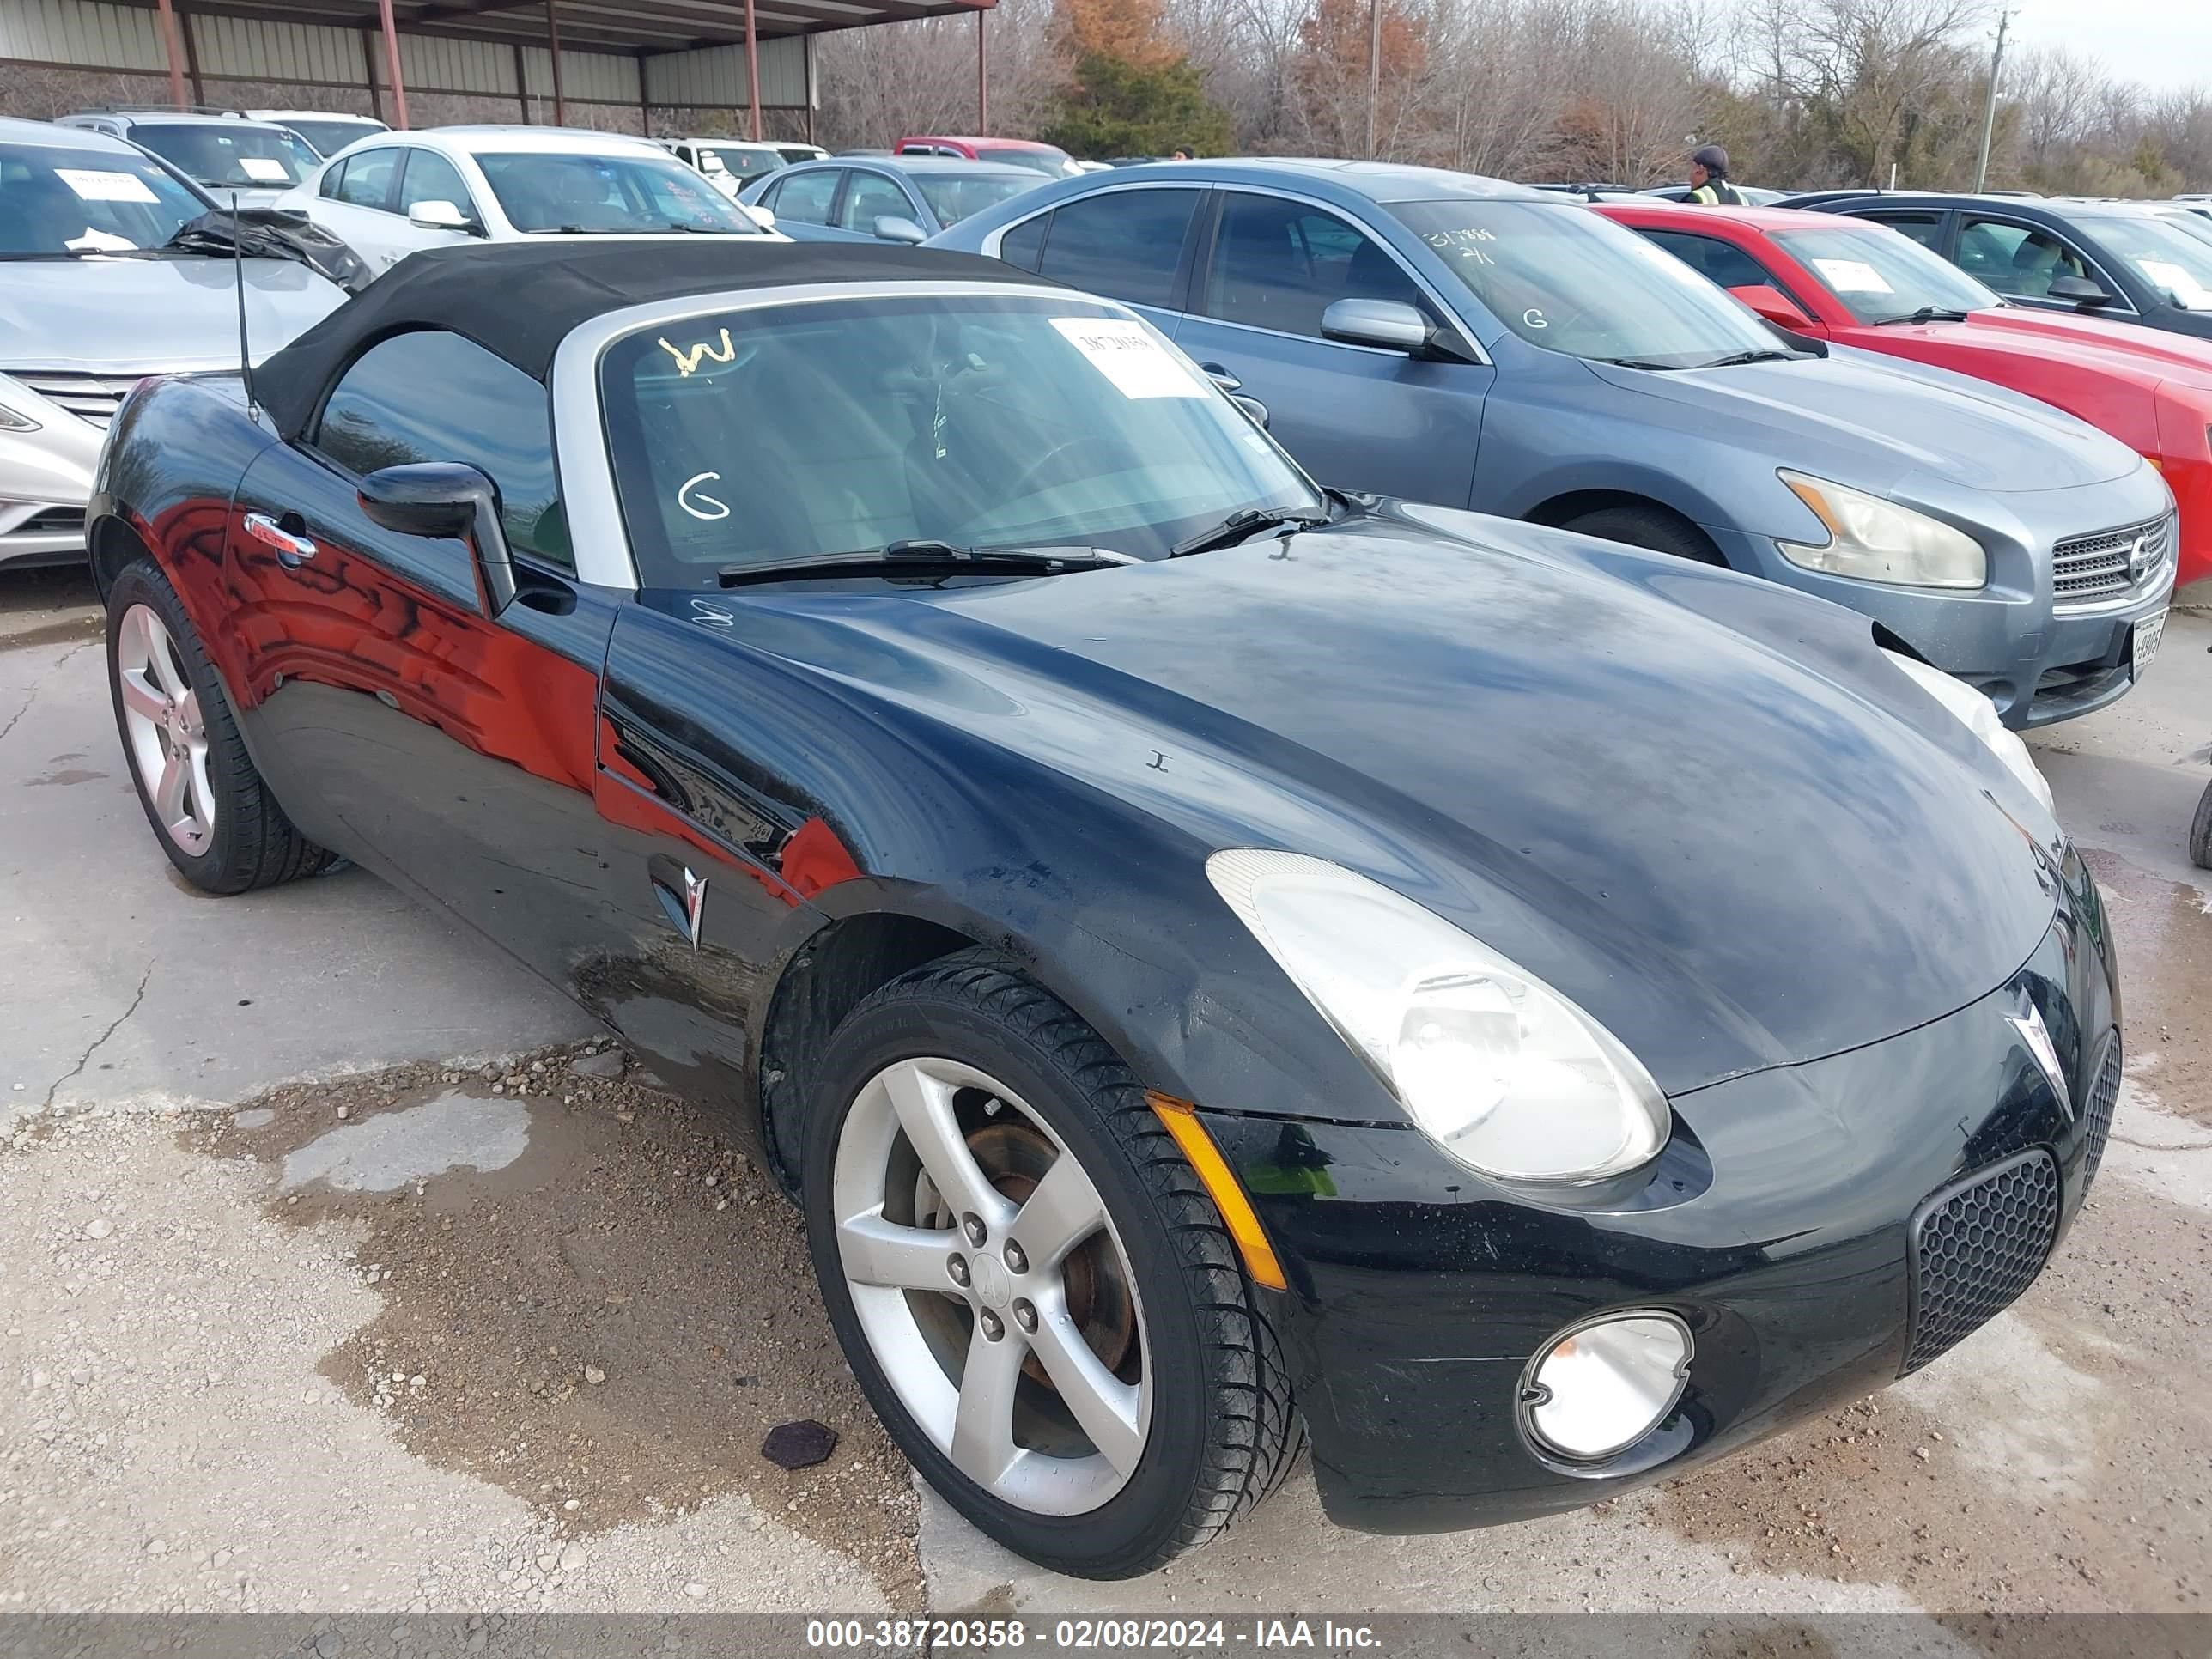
67	775
2063	1467
524	1246
2164	934
65	630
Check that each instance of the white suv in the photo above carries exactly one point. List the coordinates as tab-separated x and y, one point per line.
389	196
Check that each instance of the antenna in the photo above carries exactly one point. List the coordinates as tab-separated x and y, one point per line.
238	270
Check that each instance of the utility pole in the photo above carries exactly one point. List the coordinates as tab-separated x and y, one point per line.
1989	104
1374	69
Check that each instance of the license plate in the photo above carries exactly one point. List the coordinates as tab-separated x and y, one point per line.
2148	633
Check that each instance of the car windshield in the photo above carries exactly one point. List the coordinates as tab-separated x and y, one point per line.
1053	163
229	155
952	197
329	137
608	195
2171	258
57	204
794	154
1562	277
746	164
1880	274
984	422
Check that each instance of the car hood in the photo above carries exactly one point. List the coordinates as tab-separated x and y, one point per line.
1884	420
144	314
1733	860
2128	349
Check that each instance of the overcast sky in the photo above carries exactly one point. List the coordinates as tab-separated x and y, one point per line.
2162	43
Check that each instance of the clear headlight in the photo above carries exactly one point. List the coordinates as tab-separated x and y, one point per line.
1495	1067
11	421
1875	540
1980	715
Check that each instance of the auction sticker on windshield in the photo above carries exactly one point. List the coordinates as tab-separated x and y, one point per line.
1127	354
94	186
2148	633
263	169
1852	277
2184	289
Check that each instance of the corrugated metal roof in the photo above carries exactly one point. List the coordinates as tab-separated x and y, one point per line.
630	27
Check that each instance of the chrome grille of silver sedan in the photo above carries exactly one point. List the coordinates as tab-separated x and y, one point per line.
91	398
2091	570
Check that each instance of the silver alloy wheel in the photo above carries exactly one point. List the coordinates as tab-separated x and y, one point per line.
163	729
1009	1324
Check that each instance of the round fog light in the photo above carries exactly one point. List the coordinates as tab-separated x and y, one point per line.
1597	1388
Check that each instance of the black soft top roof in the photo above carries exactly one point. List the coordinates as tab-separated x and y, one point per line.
520	300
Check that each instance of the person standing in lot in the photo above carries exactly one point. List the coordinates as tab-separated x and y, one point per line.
1709	182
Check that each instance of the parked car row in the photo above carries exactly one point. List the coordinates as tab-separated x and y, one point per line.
1221	962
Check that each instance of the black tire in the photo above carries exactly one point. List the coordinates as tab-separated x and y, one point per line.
1225	1428
1650	527
2200	832
254	844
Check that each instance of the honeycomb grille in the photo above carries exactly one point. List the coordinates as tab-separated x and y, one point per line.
2088	570
2104	1095
1976	1246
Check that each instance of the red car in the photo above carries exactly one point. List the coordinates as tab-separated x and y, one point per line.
1865	285
1048	158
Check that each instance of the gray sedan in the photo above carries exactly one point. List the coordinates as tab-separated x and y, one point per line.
1459	341
897	199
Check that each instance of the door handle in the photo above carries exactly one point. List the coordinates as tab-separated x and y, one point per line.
291	548
1221	377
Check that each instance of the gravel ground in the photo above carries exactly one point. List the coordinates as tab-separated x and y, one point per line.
304	1307
534	1386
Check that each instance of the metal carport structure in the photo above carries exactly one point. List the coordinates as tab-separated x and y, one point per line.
646	55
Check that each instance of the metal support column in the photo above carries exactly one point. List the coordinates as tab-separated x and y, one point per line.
391	63
191	57
368	75
553	45
752	67
176	54
983	76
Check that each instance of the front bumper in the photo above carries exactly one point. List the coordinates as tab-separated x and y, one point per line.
1777	1225
45	478
2037	662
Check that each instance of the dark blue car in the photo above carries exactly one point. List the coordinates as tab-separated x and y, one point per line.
1457	340
2125	262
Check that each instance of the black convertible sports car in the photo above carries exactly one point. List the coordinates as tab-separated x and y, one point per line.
1217	962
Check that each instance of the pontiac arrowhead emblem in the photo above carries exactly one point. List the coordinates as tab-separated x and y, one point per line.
2035	1037
695	903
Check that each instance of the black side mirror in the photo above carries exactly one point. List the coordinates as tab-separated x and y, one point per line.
445	499
2078	290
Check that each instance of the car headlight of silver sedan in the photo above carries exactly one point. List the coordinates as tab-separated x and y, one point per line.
1980	715
1873	540
16	421
1498	1068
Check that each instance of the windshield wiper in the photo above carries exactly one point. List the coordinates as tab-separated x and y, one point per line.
1926	314
924	558
1643	362
710	230
1242	523
1738	358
